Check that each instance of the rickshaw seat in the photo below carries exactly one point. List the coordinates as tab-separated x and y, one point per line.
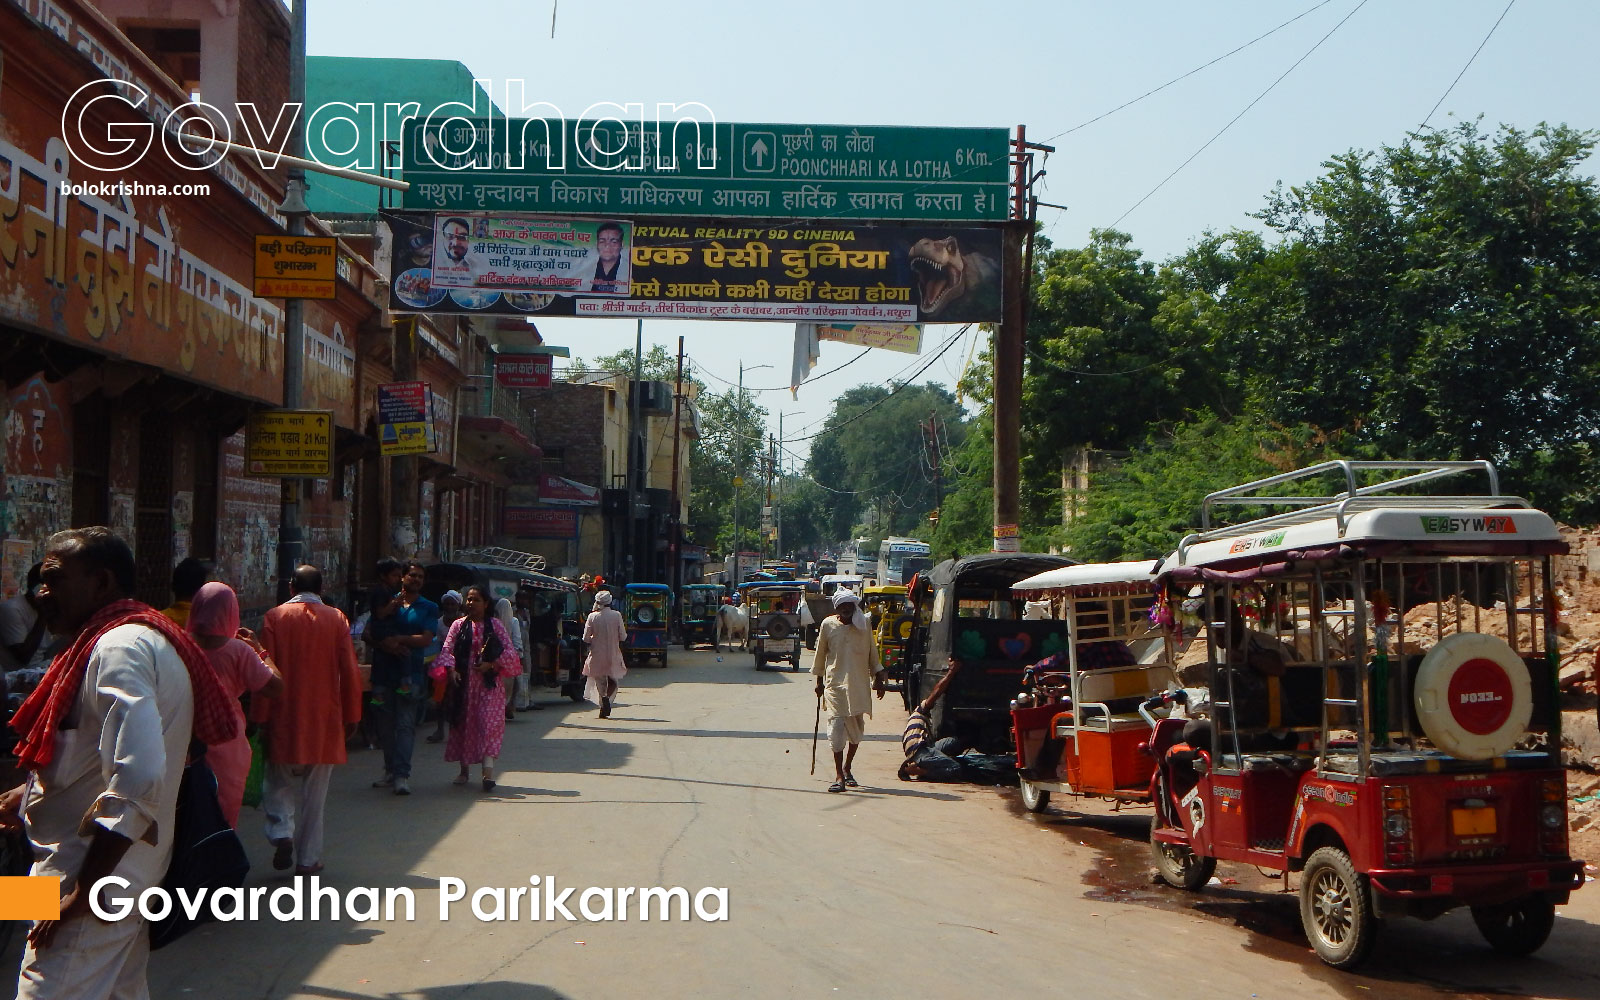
1119	722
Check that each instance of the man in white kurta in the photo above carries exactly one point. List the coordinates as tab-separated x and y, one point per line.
118	767
847	671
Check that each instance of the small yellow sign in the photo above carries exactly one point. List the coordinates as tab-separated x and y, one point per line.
290	444
410	438
297	267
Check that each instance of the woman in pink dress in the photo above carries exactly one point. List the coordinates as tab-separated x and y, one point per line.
242	665
603	631
477	653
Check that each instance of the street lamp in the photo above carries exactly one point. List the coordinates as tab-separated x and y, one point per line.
738	477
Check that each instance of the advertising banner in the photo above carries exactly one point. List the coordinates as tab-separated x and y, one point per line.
544	523
524	371
404	425
725	170
704	269
905	338
558	490
481	255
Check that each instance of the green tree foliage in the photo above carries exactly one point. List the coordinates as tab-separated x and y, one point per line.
871	450
732	443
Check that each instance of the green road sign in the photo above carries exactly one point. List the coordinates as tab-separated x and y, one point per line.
612	168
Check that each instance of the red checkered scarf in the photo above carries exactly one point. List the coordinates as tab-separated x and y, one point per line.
36	721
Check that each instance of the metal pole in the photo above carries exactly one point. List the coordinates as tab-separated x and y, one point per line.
290	540
636	452
675	535
738	473
777	511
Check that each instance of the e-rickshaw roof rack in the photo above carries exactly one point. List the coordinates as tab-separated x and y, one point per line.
1340	506
496	556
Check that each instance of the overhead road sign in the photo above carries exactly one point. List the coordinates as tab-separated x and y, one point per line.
754	171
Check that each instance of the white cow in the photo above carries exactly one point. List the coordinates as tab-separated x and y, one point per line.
733	625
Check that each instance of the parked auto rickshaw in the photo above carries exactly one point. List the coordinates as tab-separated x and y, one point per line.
697	613
555	620
645	611
1076	722
774	609
887	613
972	615
1405	765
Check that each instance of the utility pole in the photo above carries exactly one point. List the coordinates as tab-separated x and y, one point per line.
636	452
290	540
675	529
777	511
1008	345
772	455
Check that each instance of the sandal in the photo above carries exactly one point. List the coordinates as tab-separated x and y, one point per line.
315	869
488	784
462	778
850	780
283	853
837	786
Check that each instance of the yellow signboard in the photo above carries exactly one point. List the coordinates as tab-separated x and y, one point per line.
289	444
296	267
905	338
409	438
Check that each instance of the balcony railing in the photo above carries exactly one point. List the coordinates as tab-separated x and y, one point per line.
495	400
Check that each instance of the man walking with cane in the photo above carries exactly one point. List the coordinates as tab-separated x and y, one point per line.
847	671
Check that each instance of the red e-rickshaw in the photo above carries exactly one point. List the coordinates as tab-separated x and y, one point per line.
1077	722
1401	768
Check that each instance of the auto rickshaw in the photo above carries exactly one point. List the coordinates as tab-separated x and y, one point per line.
774	609
697	613
971	614
555	635
1403	764
887	613
1076	721
645	611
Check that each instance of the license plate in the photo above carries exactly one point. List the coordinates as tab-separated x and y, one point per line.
1472	822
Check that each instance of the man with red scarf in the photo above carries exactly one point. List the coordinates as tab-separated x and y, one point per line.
104	739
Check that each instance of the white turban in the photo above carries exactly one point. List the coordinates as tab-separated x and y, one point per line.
845	596
603	599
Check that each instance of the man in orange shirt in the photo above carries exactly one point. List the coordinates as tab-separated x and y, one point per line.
306	727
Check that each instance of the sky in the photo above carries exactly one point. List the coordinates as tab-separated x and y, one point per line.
1345	74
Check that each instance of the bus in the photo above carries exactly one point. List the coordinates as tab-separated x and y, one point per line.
894	553
858	558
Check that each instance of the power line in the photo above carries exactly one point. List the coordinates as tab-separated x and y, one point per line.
1468	66
892	392
785	388
1238	116
1071	371
1192	72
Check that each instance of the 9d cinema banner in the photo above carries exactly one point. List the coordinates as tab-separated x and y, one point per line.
693	269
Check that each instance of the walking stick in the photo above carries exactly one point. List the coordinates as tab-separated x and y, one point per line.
816	730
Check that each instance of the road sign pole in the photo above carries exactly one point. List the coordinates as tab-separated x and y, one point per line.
290	541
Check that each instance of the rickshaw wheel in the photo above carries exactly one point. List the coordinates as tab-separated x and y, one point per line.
1034	798
1516	928
1335	909
1179	865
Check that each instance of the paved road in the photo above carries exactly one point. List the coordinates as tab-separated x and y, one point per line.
700	779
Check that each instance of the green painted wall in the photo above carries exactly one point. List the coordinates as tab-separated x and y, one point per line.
354	80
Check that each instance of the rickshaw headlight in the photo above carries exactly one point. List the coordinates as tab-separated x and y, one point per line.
1552	816
1397	825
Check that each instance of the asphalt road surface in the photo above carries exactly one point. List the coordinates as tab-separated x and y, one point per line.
700	779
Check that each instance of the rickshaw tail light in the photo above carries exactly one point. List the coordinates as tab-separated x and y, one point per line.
1397	824
1554	789
1553	817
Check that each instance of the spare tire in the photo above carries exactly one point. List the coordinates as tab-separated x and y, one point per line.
903	626
644	614
1473	696
778	627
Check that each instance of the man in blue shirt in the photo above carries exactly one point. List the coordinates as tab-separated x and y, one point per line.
400	630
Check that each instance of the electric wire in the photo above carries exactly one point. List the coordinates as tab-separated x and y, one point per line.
1192	72
1468	66
1270	87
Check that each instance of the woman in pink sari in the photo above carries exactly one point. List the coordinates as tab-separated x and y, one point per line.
476	655
242	665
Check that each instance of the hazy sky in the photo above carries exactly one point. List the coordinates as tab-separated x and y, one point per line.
1051	66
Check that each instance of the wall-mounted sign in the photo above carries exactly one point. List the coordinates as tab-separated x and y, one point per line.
289	444
524	371
404	427
545	523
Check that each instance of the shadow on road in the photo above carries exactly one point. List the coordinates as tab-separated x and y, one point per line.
496	990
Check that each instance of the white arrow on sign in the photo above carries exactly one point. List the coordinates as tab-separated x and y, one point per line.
759	148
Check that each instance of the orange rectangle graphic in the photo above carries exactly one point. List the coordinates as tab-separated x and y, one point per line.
30	897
